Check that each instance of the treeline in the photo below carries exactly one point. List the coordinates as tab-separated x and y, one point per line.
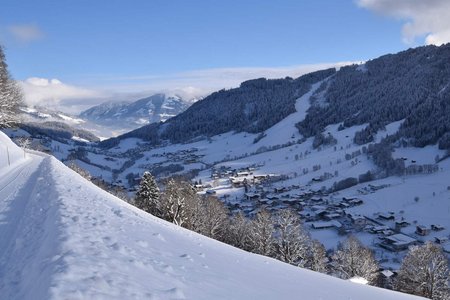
253	107
281	235
10	95
411	85
58	131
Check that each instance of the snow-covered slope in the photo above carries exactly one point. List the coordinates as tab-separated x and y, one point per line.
64	238
158	107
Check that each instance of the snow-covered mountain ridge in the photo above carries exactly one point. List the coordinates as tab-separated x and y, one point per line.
156	108
63	237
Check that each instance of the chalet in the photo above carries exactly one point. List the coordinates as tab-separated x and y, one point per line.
198	187
357	220
437	227
252	196
356	201
401	223
422	230
397	242
242	174
259	177
441	239
280	189
272	197
378	229
316	199
330	216
386	216
236	183
325	225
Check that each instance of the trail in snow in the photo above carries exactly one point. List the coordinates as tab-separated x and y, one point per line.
28	226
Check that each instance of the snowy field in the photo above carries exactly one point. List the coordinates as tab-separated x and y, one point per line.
64	238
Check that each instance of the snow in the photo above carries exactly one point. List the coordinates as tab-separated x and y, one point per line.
64	238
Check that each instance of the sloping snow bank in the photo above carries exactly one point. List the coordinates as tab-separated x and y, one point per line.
10	154
64	238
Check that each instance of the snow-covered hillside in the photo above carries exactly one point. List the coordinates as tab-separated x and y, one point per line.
64	238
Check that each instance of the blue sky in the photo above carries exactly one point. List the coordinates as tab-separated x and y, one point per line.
108	47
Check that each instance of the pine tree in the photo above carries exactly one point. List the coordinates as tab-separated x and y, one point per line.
147	197
353	259
424	272
292	243
261	234
10	95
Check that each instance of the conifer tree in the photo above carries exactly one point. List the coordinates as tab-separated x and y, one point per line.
147	197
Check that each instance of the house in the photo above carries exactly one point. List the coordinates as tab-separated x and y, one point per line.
401	223
330	216
441	239
378	229
252	196
386	217
325	225
422	230
280	189
437	227
397	242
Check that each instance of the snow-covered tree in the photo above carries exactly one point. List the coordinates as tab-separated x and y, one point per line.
318	257
174	202
10	95
214	218
353	259
238	232
262	231
424	272
147	197
292	243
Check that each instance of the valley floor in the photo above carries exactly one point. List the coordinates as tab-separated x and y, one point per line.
62	237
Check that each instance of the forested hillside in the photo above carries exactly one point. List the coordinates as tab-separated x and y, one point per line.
253	107
411	85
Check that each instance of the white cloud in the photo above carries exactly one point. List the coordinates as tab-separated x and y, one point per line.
26	33
54	94
198	83
189	85
423	18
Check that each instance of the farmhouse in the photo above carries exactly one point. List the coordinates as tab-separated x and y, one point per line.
397	242
422	230
324	225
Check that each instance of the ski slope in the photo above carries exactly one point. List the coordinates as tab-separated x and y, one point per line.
64	238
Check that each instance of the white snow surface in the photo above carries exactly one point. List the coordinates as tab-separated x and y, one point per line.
64	238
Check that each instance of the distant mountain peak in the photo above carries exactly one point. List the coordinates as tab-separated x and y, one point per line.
155	108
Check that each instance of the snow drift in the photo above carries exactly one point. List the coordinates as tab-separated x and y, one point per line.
64	238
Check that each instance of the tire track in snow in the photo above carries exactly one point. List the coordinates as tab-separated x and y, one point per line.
28	233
